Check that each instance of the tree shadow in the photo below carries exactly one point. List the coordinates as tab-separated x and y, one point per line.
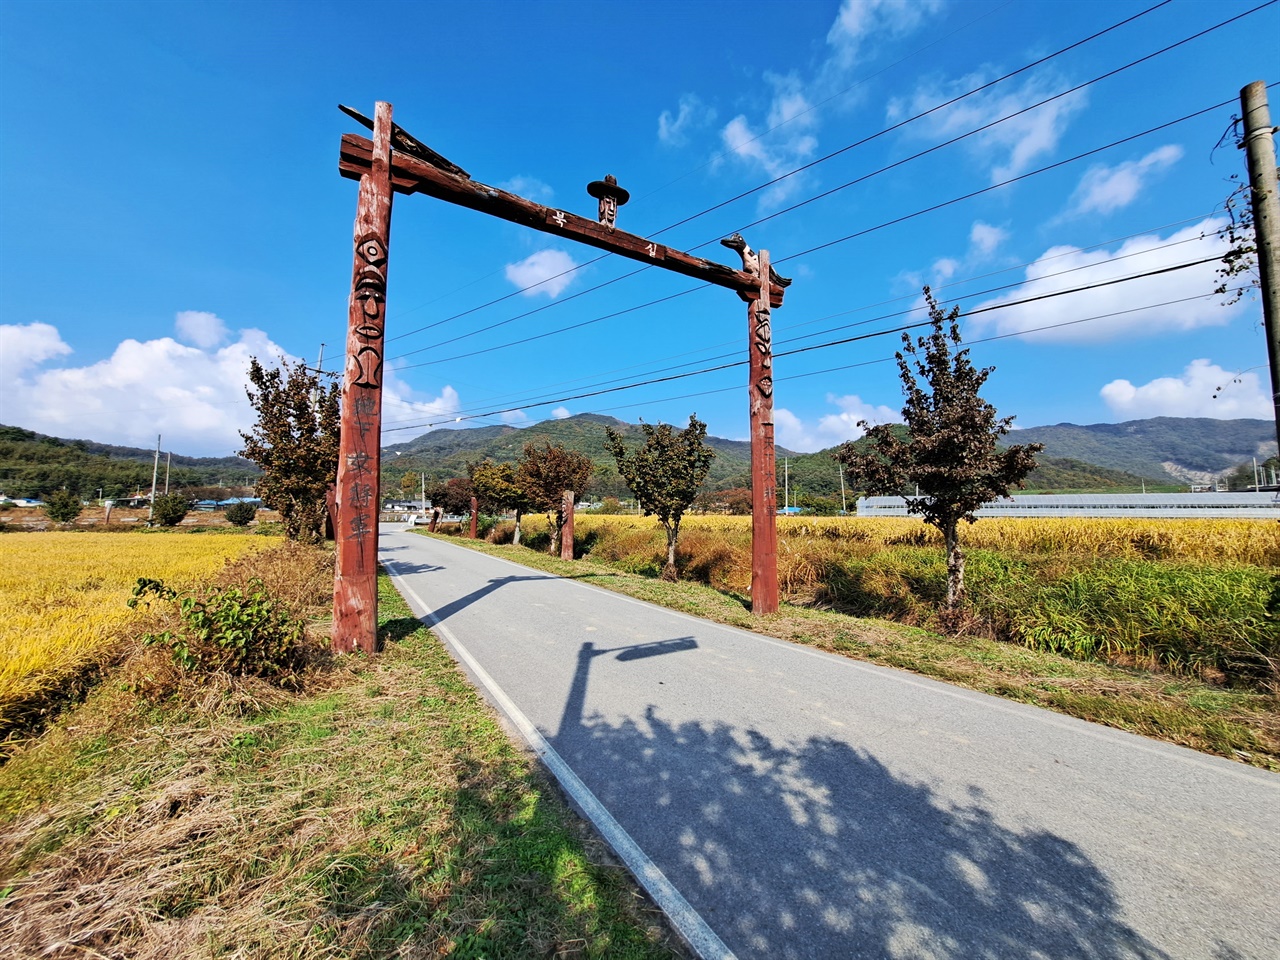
816	849
393	631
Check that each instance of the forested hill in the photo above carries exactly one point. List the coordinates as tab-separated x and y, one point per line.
446	453
1164	449
35	465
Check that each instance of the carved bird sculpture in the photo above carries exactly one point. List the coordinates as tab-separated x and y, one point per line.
406	143
750	262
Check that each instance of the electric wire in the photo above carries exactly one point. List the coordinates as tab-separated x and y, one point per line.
841	342
822	246
965	296
845	149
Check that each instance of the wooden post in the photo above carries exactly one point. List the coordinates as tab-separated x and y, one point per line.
566	532
764	499
475	508
355	588
435	520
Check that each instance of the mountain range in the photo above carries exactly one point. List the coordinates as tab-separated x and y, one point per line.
1171	451
1168	451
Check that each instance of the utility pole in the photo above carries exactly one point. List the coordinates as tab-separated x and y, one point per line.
1260	151
844	507
423	477
155	475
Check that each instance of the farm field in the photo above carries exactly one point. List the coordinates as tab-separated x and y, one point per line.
63	600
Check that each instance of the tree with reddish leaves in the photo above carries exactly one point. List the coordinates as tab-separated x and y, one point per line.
950	452
665	474
544	475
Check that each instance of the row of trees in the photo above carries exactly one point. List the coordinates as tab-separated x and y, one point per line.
948	452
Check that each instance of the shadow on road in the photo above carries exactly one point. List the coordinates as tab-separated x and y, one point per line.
449	609
817	850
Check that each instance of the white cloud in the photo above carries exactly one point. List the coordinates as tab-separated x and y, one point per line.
201	329
1011	145
1103	189
195	398
402	408
513	416
691	116
1203	390
984	238
27	345
561	413
859	20
545	272
783	143
983	241
1066	267
786	136
833	428
531	188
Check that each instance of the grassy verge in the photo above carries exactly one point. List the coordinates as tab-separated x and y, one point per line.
383	813
1236	724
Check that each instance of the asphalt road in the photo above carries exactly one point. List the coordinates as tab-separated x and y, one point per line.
781	802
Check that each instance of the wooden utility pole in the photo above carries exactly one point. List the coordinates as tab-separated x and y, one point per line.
764	496
393	161
566	531
1260	149
355	589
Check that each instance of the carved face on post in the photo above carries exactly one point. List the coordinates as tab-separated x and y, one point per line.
370	291
608	209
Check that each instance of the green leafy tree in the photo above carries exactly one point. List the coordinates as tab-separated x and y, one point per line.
665	474
545	474
411	485
498	489
169	509
295	442
62	506
241	514
950	450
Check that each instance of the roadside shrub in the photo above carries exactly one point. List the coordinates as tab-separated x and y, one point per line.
241	631
169	509
62	506
241	514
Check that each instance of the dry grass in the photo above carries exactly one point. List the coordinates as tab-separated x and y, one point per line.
388	816
63	606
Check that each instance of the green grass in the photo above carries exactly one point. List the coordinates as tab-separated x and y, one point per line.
1238	724
383	814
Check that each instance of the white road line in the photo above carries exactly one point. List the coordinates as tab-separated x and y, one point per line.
687	921
1132	741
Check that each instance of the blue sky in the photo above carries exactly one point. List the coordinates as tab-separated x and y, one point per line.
170	206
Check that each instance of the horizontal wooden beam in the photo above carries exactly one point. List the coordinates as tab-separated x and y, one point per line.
412	175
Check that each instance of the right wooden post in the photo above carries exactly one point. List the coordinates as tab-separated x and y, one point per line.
764	499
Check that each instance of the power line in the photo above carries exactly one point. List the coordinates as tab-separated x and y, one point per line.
822	246
819	346
829	156
978	293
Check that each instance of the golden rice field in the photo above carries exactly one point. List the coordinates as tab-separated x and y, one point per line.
1255	542
63	597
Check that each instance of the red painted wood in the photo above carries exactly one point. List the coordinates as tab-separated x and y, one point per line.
764	499
355	588
475	510
411	175
566	532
